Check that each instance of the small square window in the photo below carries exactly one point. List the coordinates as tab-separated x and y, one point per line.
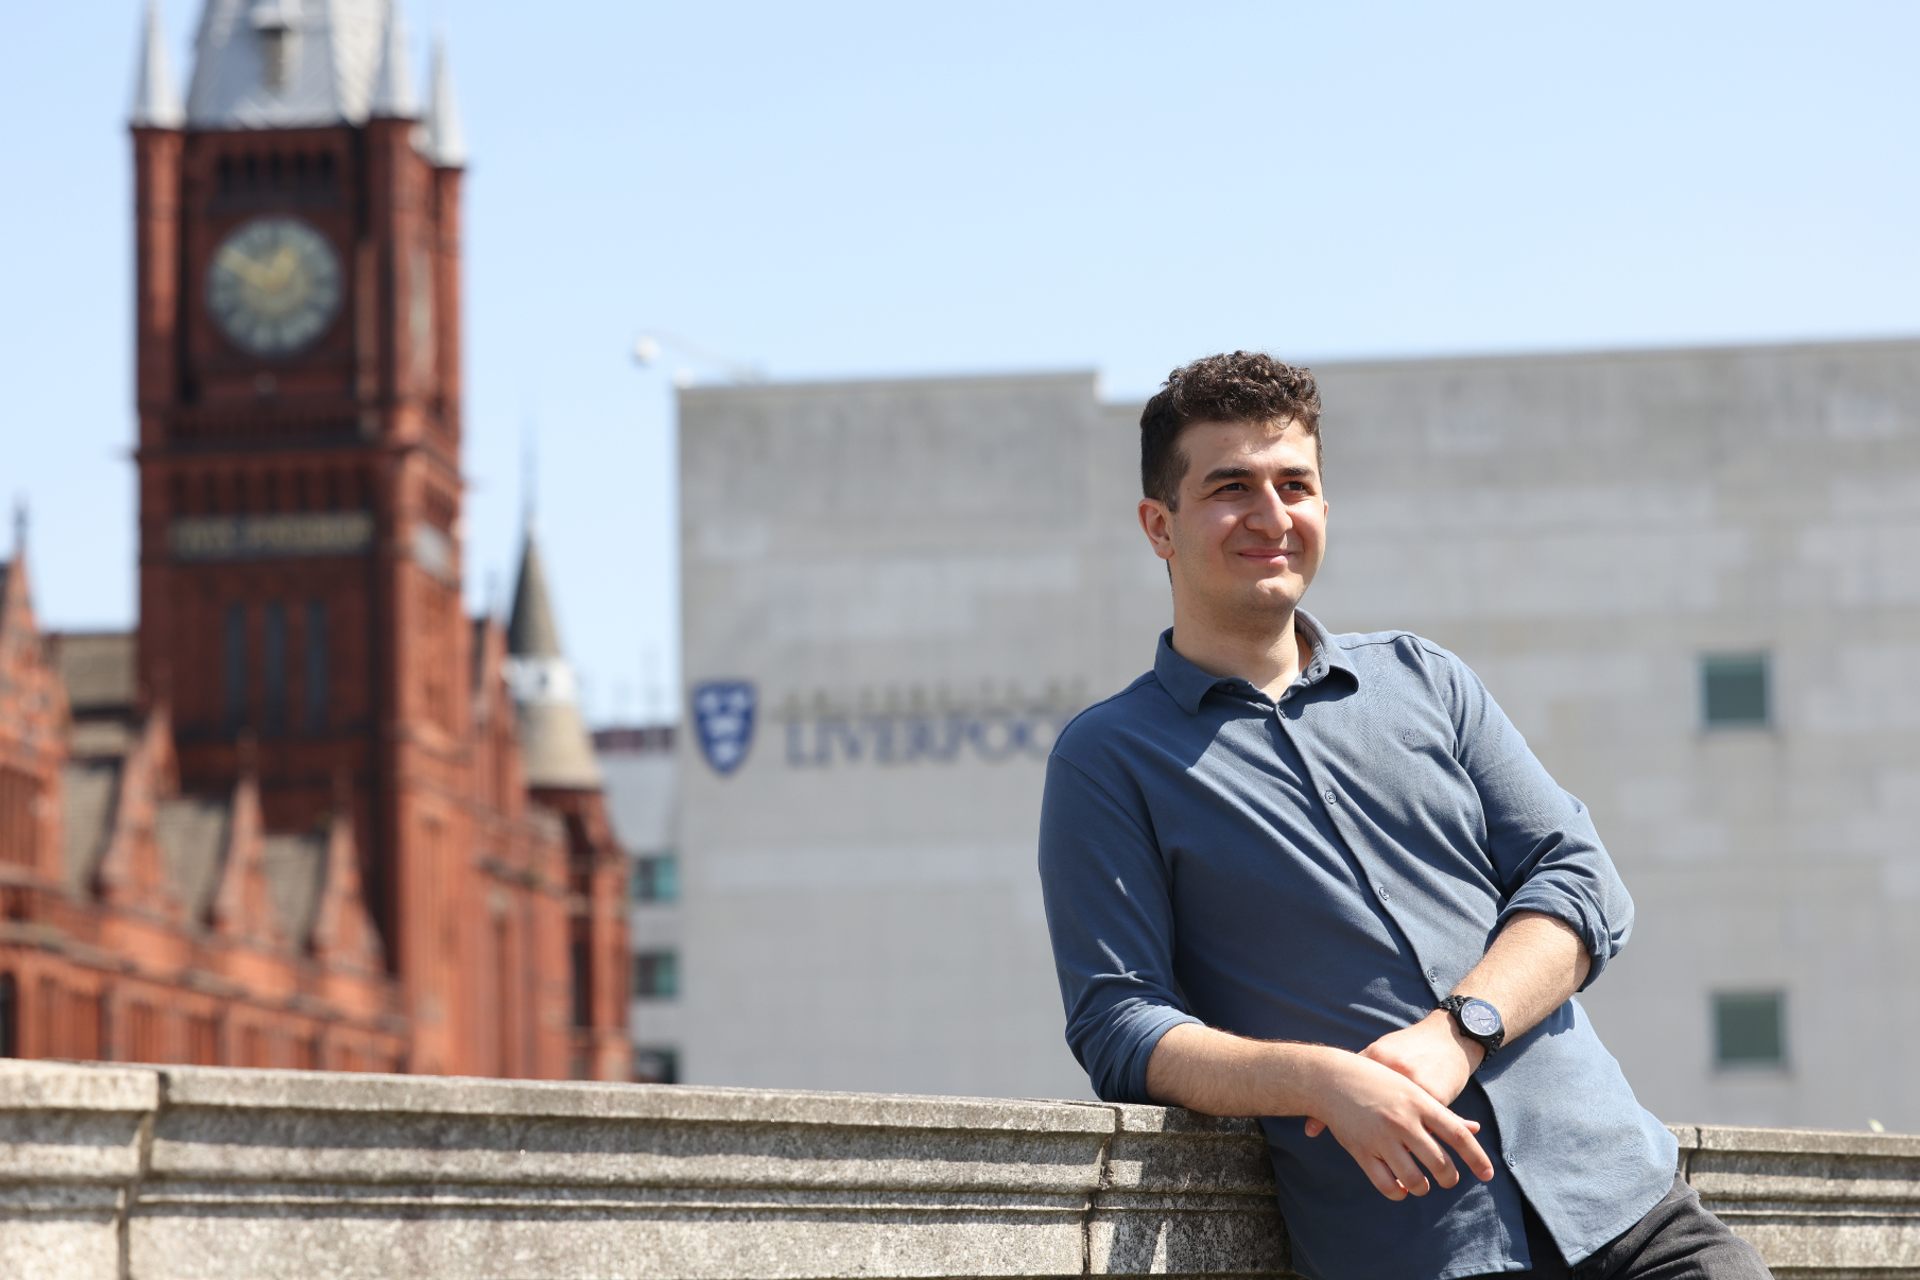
1749	1029
656	1066
656	878
656	975
1733	689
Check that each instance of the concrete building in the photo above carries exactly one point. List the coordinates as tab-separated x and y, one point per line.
641	773
1688	575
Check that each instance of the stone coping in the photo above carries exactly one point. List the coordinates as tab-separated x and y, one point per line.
152	1171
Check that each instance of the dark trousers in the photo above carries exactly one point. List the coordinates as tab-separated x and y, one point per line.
1676	1240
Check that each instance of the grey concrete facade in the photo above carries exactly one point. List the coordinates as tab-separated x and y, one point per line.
128	1173
918	580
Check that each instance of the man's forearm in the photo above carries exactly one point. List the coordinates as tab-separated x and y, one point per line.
1535	963
1395	1130
1219	1074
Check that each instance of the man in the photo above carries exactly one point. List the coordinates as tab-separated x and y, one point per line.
1320	879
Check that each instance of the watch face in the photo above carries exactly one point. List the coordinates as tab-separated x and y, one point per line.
274	286
1479	1017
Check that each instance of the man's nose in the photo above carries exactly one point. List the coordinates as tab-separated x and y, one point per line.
1270	512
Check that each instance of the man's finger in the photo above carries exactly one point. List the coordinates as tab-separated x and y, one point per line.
1458	1134
1407	1171
1382	1177
1434	1156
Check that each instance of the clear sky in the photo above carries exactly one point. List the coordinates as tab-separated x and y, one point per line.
831	190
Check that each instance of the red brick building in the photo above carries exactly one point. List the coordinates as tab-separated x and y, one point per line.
308	813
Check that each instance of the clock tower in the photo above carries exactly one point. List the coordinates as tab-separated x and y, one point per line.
298	337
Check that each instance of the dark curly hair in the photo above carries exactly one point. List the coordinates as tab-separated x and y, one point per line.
1241	386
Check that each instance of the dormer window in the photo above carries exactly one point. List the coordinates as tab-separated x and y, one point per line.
273	26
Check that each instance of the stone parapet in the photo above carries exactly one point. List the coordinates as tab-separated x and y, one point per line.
145	1173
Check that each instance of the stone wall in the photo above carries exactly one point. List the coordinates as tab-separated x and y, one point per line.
109	1172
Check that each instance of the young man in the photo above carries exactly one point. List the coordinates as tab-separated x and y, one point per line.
1320	879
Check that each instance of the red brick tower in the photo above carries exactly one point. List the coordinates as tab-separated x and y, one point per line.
298	304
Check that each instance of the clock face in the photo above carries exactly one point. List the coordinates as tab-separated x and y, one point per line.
274	286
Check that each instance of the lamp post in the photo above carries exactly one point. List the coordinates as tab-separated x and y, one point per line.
649	348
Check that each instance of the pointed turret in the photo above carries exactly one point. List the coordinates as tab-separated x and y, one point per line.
553	737
445	142
156	100
393	87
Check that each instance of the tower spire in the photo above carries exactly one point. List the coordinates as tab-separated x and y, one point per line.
553	737
156	101
393	88
446	141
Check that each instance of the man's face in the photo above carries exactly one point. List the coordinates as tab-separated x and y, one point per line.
1250	528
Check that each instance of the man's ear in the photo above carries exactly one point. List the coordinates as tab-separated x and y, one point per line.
1157	523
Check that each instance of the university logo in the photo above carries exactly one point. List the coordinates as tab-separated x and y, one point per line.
723	713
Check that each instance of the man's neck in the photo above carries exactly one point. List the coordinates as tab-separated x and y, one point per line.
1266	658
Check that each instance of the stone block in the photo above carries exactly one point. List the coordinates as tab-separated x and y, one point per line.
73	1232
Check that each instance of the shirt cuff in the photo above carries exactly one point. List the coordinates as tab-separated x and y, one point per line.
1585	923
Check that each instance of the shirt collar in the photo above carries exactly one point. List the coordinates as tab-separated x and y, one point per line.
1188	684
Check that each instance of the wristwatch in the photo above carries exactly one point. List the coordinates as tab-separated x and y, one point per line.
1478	1021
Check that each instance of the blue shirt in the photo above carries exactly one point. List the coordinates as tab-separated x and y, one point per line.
1325	869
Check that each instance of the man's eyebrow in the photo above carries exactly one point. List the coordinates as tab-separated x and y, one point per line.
1242	473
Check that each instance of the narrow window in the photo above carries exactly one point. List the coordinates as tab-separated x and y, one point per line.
1749	1029
656	975
236	665
316	692
1733	690
503	1005
275	667
9	1016
582	986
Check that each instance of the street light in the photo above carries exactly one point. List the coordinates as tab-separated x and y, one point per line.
648	349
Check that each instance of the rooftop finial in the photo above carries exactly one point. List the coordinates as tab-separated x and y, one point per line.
20	527
529	473
446	141
156	102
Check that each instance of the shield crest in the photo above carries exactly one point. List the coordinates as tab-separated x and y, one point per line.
723	714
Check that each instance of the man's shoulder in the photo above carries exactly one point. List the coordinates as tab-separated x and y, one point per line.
1141	699
1396	646
1139	704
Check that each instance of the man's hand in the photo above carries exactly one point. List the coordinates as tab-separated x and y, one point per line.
1433	1053
1392	1126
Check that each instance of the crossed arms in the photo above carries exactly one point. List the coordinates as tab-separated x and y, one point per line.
1387	1105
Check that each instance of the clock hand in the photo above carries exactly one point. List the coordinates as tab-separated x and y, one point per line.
240	264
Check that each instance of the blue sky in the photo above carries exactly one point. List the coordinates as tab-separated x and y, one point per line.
830	190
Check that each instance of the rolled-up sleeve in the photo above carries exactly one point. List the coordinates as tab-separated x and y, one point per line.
1110	916
1540	837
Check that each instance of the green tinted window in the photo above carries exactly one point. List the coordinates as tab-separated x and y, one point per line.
1749	1029
1734	689
656	879
656	975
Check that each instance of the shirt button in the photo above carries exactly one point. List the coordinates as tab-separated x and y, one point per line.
1384	895
1433	975
1331	798
1512	1163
